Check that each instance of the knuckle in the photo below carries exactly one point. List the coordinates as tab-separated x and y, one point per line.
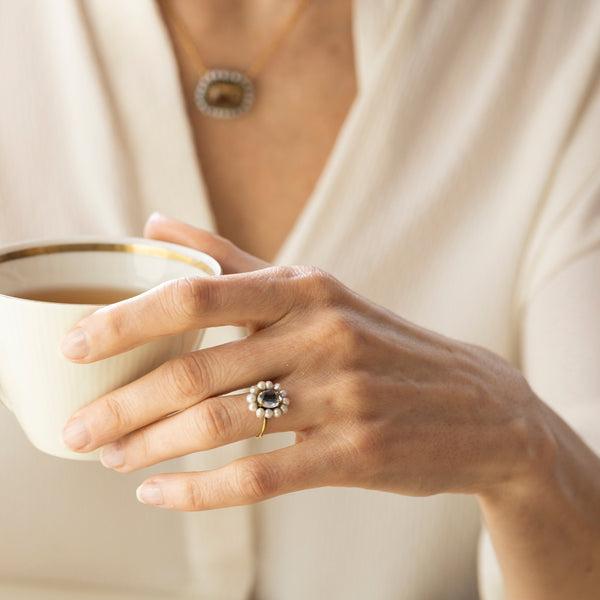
310	283
254	481
189	295
340	335
192	495
320	285
113	324
117	415
187	375
213	420
289	272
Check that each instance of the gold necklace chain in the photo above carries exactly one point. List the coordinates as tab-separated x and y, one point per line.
224	93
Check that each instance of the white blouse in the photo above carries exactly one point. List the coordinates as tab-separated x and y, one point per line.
463	193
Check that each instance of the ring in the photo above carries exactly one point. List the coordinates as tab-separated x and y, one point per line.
266	399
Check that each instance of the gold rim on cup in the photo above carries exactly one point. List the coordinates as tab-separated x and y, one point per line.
133	248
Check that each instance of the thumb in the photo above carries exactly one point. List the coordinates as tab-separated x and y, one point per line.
227	254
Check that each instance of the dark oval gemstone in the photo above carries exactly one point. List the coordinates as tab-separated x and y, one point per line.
268	399
224	94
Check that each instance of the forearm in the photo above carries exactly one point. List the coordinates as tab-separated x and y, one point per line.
545	526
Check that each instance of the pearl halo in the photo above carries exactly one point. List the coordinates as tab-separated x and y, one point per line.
266	399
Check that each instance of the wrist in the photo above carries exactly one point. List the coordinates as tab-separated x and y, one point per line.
544	520
531	454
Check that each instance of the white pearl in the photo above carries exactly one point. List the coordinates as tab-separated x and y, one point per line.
268	413
253	406
261	385
260	412
284	408
254	390
251	398
277	386
269	385
285	401
277	412
283	393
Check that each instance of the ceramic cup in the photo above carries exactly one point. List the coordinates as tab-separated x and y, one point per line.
40	386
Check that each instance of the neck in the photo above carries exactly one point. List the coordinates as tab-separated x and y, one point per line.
250	15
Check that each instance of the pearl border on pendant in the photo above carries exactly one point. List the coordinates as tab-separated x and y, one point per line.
236	77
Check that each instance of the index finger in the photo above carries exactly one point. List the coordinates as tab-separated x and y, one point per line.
255	299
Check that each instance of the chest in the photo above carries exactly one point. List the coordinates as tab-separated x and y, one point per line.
260	169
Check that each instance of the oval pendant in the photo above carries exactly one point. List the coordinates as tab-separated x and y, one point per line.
224	94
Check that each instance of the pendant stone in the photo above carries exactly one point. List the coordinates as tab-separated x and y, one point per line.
224	94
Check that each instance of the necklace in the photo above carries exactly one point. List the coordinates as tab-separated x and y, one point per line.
227	93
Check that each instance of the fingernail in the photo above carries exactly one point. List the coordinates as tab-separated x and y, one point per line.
76	435
149	493
156	216
112	456
75	345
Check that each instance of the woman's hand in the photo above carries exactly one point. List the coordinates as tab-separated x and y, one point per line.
376	401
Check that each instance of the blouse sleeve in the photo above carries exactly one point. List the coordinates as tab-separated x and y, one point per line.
557	299
559	309
557	303
561	357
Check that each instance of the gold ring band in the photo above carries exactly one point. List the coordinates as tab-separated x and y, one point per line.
264	426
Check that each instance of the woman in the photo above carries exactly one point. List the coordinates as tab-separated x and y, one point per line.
439	164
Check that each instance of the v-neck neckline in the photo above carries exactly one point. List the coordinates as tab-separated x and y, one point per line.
158	135
285	252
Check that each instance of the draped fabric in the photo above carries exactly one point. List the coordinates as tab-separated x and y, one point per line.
462	193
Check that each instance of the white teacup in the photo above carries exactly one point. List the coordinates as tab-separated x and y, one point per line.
37	383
